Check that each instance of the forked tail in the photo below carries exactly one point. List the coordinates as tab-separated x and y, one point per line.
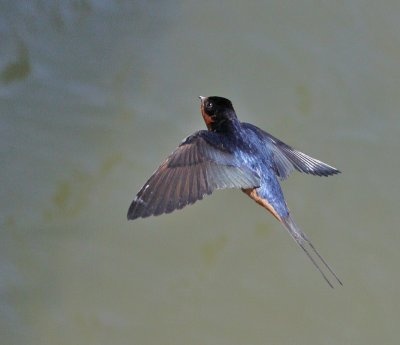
302	240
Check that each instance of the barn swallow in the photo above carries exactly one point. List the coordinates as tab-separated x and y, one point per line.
231	154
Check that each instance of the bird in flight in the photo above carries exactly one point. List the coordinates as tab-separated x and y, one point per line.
231	154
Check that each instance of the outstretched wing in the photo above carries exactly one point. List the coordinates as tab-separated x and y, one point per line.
287	158
196	168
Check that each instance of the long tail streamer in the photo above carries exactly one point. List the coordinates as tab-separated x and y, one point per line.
302	240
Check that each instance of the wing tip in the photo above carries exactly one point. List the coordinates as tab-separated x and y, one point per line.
331	171
135	211
131	217
131	214
135	215
325	170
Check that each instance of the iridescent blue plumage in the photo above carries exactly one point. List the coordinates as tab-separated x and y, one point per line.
231	154
253	151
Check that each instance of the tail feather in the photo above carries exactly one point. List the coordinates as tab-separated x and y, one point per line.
302	240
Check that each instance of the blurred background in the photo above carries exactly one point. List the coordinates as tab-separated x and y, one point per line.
94	94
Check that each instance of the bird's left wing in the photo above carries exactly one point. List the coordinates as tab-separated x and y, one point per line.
197	167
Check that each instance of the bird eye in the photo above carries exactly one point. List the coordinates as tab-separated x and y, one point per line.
209	106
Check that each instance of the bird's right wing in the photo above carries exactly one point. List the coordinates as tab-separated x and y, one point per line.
196	168
286	158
